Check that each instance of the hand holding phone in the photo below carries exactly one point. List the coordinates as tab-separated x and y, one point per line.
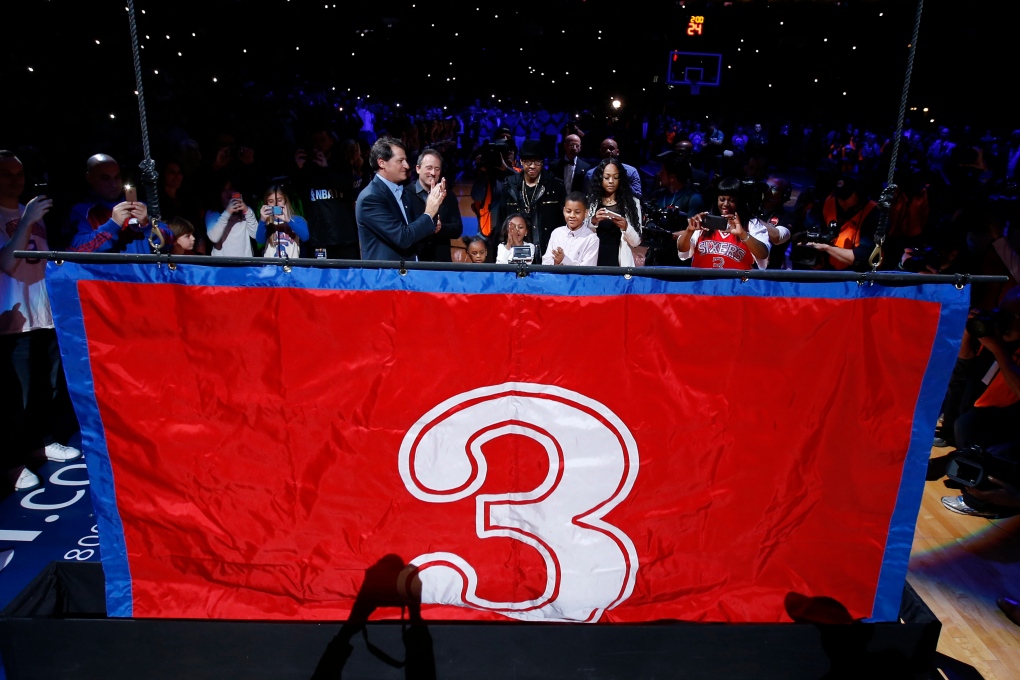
130	194
715	222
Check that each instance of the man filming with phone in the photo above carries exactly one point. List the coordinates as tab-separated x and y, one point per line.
103	223
728	237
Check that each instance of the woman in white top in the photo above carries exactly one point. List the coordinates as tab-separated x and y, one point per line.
231	231
614	214
515	229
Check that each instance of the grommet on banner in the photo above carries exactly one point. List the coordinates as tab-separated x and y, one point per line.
172	266
287	268
403	268
59	263
744	279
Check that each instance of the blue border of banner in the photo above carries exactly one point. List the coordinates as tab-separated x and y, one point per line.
62	282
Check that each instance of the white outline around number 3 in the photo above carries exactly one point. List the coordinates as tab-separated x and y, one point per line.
591	565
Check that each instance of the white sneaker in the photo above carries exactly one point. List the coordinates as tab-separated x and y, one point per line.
59	453
27	480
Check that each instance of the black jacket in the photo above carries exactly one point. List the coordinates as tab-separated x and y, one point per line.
546	206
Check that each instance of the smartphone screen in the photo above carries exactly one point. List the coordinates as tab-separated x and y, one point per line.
130	193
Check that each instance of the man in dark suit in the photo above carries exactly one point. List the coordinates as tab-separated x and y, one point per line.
388	226
570	168
437	247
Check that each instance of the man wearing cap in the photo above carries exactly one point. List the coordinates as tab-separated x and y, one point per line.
535	194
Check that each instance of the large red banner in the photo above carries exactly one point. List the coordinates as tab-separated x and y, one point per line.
539	457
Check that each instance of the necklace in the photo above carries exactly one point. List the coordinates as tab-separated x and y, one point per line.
524	194
672	201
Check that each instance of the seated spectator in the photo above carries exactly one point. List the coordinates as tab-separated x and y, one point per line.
614	214
744	239
514	234
573	244
477	249
231	231
184	236
279	231
103	223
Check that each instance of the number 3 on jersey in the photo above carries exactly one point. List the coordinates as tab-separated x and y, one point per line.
593	461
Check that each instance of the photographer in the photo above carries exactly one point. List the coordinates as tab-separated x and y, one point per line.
992	420
841	229
988	421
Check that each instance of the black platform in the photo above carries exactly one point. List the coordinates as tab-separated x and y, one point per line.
57	628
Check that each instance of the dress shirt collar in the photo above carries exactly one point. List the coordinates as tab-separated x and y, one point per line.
393	186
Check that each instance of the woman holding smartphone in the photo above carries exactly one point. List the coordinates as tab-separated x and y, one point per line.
279	231
727	236
614	214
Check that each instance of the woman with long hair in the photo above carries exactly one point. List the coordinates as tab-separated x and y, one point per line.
735	241
614	214
515	230
280	230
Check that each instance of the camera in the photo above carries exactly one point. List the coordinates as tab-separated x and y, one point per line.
660	225
972	466
922	258
521	254
995	323
753	191
277	210
821	232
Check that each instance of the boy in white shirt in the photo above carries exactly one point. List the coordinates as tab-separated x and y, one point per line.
573	244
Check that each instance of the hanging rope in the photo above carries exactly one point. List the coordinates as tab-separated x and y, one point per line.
147	166
888	195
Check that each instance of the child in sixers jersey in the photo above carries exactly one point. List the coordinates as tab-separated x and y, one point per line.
744	241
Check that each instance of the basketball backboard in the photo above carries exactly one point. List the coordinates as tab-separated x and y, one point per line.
694	69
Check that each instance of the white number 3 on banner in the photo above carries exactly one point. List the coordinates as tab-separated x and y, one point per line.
593	461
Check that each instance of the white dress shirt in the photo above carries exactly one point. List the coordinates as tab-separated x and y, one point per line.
580	246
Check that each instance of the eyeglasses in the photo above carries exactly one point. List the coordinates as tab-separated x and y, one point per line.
532	162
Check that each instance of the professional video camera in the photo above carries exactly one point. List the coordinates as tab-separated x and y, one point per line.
753	191
820	232
990	324
657	234
660	225
972	466
921	259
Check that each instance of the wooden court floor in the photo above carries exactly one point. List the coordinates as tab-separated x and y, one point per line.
959	565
